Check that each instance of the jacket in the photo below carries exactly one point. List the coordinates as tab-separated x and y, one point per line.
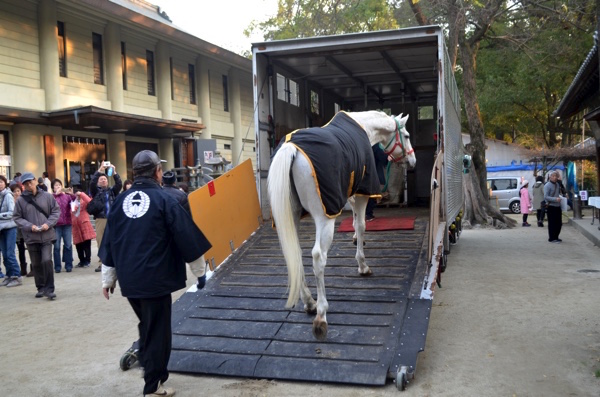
525	201
551	193
109	192
538	195
64	203
7	208
26	215
178	195
82	226
148	239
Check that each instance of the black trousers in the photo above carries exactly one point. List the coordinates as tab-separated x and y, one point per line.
155	338
41	263
84	251
22	259
554	222
540	214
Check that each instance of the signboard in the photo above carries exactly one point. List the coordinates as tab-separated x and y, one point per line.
5	160
208	155
583	194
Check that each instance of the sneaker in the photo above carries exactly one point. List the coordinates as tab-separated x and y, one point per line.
40	294
50	295
56	270
558	241
98	269
30	274
5	282
164	392
86	264
526	224
369	218
540	224
69	270
15	282
80	264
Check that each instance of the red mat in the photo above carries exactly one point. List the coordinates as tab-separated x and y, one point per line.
380	224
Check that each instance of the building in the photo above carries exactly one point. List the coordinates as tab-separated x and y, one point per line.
84	81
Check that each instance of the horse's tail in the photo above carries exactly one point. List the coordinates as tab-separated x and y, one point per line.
280	196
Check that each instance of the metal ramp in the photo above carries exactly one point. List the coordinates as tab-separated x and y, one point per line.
238	324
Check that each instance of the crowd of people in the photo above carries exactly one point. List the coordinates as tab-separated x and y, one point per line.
134	225
546	199
29	226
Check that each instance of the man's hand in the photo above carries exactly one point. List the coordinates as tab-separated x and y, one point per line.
105	292
44	227
201	282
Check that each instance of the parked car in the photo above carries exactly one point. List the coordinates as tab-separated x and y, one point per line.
506	189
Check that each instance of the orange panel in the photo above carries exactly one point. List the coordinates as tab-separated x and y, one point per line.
227	211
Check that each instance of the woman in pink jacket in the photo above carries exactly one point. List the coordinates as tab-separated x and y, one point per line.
83	231
525	202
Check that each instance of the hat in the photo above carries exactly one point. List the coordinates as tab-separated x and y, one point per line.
525	182
146	159
27	176
169	178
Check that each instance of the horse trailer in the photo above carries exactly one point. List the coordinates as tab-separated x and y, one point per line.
238	325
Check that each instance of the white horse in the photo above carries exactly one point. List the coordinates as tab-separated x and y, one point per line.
287	202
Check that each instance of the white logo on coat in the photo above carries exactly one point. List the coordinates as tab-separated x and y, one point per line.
136	204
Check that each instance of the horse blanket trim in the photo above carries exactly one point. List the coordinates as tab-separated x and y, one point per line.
341	159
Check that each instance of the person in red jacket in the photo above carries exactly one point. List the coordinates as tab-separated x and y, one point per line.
83	231
63	228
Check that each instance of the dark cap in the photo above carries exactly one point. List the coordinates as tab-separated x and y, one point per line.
27	176
145	160
169	178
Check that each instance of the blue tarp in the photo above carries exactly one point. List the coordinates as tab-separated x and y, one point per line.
520	167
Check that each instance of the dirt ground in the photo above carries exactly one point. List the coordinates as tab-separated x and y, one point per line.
517	316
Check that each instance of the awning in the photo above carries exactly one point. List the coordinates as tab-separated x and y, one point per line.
95	119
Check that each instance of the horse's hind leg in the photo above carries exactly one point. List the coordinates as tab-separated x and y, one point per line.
324	237
310	306
360	205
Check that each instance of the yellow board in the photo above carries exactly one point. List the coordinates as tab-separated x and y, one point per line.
227	211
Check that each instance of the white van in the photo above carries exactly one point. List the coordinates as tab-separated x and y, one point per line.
506	189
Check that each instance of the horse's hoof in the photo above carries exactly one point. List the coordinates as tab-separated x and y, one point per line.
368	273
319	329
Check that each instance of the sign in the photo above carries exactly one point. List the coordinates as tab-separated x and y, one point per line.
211	188
5	160
208	155
583	194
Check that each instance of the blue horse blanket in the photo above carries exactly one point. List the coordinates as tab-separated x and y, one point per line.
341	159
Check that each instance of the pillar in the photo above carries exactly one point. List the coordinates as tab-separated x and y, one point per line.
49	70
163	77
114	72
165	152
117	154
235	110
203	90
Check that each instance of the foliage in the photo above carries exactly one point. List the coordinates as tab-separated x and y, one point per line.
526	64
307	18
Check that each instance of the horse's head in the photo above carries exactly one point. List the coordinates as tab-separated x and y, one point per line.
399	147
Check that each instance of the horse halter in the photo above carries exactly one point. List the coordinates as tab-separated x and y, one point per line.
397	141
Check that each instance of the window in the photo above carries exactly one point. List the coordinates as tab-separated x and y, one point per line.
62	49
336	107
225	94
98	61
150	72
426	112
227	146
288	90
192	82
314	102
171	75
124	65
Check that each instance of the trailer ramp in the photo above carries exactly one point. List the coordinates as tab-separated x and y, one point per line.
238	324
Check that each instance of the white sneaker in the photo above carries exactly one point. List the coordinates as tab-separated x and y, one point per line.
163	392
6	281
14	282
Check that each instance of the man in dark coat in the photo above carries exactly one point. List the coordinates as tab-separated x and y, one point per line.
169	179
36	213
147	242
